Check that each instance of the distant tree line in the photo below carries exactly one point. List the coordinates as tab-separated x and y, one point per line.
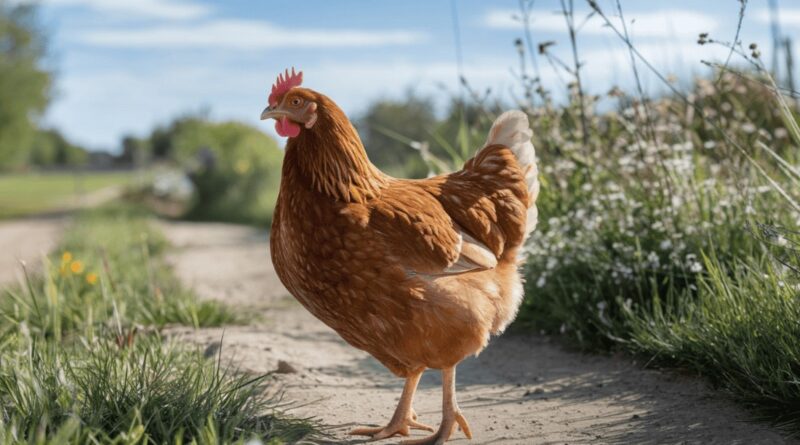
25	92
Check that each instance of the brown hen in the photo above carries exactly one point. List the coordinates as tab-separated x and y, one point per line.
418	273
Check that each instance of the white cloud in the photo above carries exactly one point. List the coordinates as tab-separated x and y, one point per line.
663	23
245	34
162	9
786	16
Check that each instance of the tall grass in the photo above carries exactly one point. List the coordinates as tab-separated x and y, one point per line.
741	328
81	360
147	393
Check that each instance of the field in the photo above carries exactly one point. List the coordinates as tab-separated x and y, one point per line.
26	194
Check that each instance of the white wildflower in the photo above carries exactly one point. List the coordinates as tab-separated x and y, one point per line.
653	260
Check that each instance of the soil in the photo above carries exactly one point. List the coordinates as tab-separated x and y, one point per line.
27	241
523	389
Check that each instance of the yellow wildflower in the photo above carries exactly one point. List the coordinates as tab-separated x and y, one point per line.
66	257
242	166
91	278
76	267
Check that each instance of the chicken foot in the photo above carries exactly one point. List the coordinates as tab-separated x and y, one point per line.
404	418
451	414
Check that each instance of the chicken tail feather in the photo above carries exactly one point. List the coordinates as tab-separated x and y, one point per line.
513	130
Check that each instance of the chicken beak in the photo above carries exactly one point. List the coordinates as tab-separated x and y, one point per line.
306	116
270	113
275	113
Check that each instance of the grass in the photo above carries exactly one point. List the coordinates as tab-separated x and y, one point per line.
26	194
81	359
108	271
150	392
741	328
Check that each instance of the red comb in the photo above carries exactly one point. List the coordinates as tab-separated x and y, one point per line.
283	84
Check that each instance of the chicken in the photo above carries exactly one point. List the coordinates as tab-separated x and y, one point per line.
418	273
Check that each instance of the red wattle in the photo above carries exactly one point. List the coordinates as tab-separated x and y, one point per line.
286	128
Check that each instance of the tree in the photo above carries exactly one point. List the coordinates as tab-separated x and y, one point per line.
50	148
235	168
134	151
24	84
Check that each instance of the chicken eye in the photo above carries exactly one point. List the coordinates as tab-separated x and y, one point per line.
296	102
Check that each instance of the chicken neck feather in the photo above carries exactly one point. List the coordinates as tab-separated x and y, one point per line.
332	159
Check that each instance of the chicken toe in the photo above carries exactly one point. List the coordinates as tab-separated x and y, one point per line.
404	418
394	428
445	431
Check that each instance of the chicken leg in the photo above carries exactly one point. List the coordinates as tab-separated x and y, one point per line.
404	417
451	414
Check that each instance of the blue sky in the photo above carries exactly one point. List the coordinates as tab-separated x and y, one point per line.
124	66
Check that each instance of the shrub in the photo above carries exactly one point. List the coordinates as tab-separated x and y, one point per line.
235	168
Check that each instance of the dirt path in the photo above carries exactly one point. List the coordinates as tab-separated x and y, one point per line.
29	239
521	390
26	240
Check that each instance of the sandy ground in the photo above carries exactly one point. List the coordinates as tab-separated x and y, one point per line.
29	239
520	390
26	240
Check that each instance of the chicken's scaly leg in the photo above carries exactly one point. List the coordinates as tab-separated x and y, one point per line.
404	417
451	414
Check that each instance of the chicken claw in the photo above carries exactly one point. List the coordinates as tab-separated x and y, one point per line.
445	431
401	427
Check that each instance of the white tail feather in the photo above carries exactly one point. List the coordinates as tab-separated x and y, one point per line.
512	130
